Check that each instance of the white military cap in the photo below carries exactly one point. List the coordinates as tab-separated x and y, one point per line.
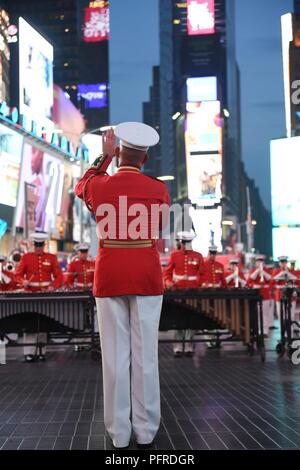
136	135
39	237
185	236
260	257
82	247
213	249
283	258
234	261
2	258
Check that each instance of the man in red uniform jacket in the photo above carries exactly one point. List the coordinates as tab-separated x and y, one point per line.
38	271
234	277
260	277
128	282
213	271
80	273
282	276
183	272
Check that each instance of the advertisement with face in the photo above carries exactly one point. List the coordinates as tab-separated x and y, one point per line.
36	74
10	158
204	179
46	173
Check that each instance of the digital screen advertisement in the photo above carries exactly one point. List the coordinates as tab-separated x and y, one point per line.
200	17
285	188
36	74
208	229
286	243
201	89
96	24
203	127
46	173
204	174
95	96
10	159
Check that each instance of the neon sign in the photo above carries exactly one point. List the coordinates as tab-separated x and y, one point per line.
34	129
200	17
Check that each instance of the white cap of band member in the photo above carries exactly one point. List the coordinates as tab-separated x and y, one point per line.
283	258
213	249
2	258
38	237
186	236
82	247
260	257
234	261
136	135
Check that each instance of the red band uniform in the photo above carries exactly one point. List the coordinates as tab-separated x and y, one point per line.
213	271
260	278
282	276
234	277
80	273
38	271
128	282
183	272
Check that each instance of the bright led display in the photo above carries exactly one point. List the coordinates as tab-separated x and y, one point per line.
10	159
203	127
286	242
285	188
204	179
201	89
207	224
200	17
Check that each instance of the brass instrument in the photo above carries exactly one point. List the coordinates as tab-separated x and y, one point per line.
236	276
261	268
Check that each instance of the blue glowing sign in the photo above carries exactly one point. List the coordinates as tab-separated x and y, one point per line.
94	95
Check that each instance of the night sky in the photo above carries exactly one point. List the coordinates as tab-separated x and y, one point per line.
134	49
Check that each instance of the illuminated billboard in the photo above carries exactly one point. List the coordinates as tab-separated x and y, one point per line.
286	242
96	23
201	89
204	173
94	95
46	173
208	229
200	17
285	189
203	127
10	159
35	74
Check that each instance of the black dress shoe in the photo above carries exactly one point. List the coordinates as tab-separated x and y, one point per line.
178	353
189	353
42	357
29	358
145	446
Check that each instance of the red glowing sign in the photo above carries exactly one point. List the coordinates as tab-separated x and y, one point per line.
200	17
96	24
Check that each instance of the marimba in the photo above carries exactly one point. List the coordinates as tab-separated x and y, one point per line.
236	310
69	312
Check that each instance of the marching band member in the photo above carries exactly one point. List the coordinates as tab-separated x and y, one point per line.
183	272
260	277
128	282
38	271
281	277
235	277
213	271
7	275
80	273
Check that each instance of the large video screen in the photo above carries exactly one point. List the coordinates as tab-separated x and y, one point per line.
46	173
203	127
286	243
96	23
200	17
285	188
201	89
208	229
204	173
94	95
36	74
10	160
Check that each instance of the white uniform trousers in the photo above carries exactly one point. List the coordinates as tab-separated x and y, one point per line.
267	315
129	345
34	338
